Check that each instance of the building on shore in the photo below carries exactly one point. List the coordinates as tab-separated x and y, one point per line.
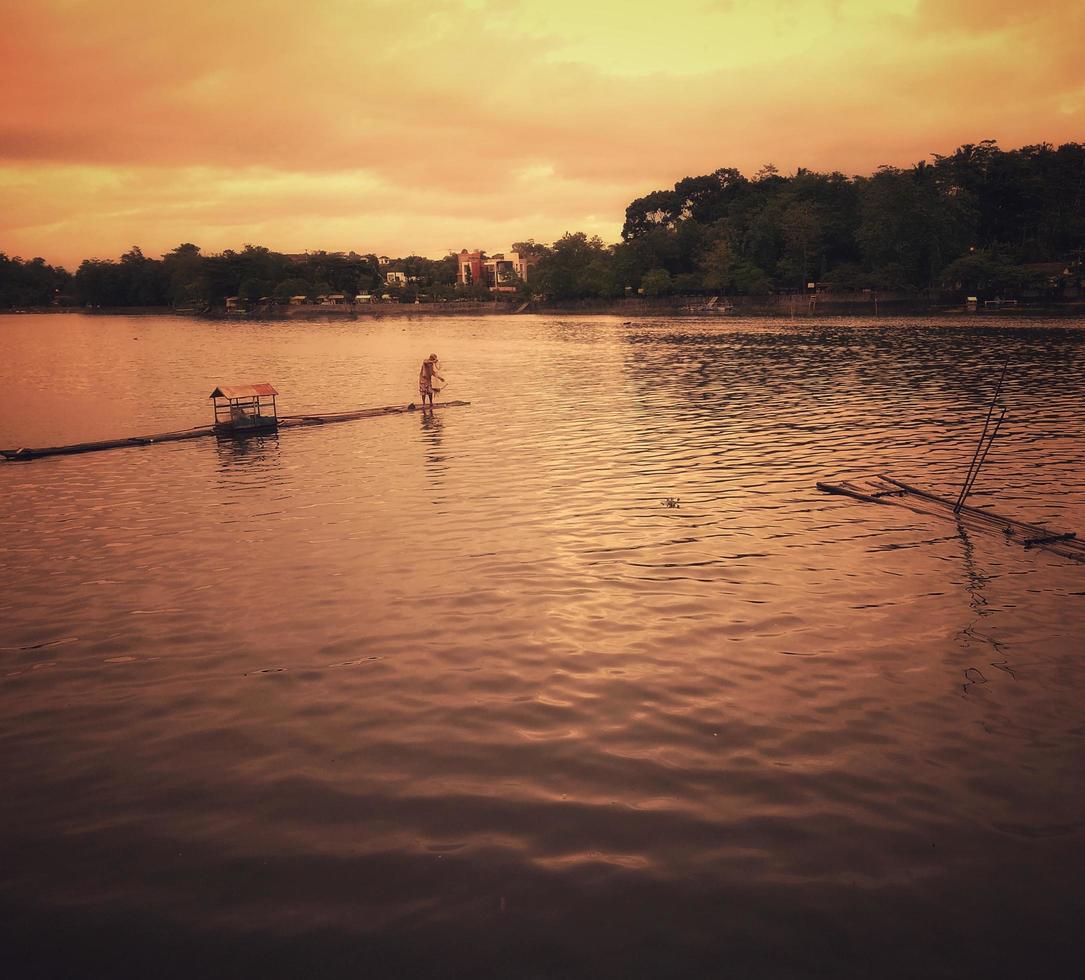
500	271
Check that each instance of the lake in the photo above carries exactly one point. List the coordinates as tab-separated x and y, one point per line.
460	695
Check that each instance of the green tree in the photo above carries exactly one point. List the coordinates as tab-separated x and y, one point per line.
253	290
988	272
660	209
294	286
724	270
803	237
530	248
657	282
183	268
146	280
577	267
32	283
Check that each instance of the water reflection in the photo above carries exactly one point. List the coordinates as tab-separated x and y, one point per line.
250	463
432	427
977	640
251	452
976	580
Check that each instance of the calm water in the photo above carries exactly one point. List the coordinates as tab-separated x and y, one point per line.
458	696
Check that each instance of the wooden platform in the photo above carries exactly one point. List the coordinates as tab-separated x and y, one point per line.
886	490
202	431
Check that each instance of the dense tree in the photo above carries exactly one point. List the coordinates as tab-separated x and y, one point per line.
185	277
577	267
530	248
32	283
988	271
657	282
724	270
183	268
146	281
804	243
431	278
898	229
294	286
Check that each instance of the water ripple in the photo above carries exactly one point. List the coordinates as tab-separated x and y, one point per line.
463	696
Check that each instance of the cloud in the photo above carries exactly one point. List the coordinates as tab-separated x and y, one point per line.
409	126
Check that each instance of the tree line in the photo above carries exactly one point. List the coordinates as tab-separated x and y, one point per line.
185	277
980	220
31	283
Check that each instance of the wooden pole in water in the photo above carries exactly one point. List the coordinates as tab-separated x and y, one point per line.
977	461
990	443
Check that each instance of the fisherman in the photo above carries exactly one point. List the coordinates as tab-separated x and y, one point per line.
430	370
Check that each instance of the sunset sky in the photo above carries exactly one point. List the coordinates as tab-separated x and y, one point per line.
424	126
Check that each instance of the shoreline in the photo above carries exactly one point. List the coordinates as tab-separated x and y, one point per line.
774	308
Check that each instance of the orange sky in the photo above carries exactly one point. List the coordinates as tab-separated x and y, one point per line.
426	126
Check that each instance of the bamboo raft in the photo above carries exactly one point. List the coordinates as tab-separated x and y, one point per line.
202	431
886	490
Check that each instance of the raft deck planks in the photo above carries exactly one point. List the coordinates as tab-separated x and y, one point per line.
200	432
886	490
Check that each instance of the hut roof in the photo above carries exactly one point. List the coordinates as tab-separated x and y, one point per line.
243	391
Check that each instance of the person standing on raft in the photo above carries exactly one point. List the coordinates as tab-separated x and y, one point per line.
425	379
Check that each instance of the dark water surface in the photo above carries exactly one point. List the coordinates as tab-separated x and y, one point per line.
458	696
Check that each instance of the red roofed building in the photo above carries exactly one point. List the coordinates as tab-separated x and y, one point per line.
499	272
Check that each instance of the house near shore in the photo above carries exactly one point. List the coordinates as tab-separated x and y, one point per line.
298	300
1063	278
395	278
500	272
332	299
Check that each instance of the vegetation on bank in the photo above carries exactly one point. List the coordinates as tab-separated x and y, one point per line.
32	283
980	221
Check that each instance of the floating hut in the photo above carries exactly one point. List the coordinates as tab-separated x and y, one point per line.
242	408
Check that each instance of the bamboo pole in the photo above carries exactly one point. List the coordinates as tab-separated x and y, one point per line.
967	488
973	469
